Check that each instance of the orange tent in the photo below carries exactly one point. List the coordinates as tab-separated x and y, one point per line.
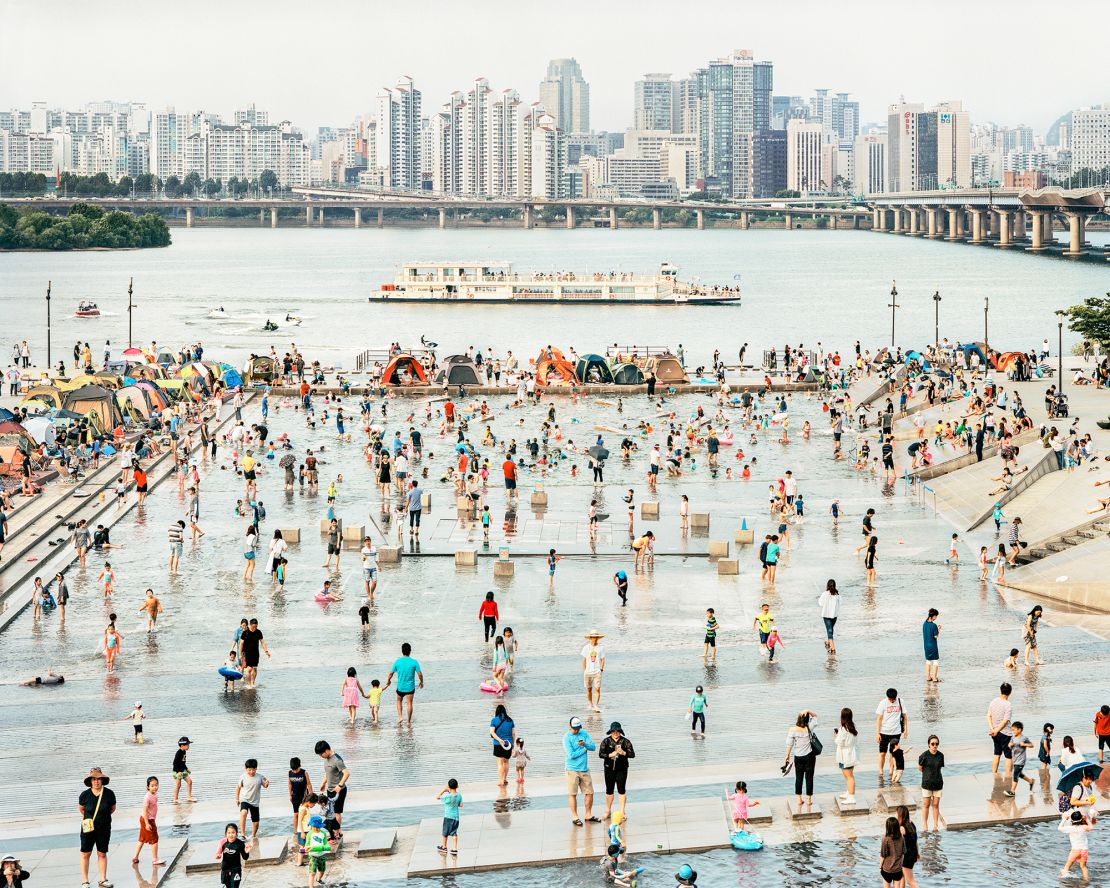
1006	359
552	369
404	370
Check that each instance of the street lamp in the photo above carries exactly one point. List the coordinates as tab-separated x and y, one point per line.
48	361
1060	354
986	319
893	305
130	306
936	318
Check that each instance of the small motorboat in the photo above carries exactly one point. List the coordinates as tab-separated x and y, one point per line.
269	327
87	309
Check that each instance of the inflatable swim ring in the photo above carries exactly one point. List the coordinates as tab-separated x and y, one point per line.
491	687
229	673
322	598
725	439
746	841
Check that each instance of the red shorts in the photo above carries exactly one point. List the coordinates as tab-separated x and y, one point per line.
148	836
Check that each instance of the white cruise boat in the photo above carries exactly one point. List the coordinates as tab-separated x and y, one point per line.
488	282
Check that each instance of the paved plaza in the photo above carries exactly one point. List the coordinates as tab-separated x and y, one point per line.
653	647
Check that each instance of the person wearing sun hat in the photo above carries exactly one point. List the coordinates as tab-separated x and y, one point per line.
593	664
96	805
12	873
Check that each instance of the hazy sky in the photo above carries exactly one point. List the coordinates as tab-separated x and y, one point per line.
323	62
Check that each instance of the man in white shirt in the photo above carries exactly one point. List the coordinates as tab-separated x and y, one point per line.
891	722
593	664
369	567
654	461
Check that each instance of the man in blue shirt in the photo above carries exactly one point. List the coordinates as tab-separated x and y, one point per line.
577	745
408	673
930	629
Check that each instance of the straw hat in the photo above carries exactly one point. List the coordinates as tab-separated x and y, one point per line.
96	772
594	634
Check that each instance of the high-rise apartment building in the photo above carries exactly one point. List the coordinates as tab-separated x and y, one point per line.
504	137
657	104
398	136
806	171
475	140
1090	138
547	158
566	95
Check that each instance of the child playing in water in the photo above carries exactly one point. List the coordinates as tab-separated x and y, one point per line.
352	692
520	759
1076	827
897	760
375	699
108	578
773	641
1011	661
740	805
982	562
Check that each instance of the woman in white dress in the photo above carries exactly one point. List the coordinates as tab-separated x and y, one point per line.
847	755
278	548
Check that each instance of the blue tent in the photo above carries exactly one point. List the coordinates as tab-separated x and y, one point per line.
231	378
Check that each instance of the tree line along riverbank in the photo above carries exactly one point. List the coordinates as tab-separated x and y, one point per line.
84	227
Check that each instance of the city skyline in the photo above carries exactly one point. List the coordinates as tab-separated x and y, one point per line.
883	54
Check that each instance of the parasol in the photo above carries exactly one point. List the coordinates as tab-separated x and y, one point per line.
598	452
1071	777
287	461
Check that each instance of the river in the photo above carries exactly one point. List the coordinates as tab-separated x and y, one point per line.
801	286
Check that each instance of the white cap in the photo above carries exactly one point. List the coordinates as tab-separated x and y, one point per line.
138	704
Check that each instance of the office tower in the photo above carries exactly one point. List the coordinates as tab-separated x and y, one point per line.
805	162
657	104
566	96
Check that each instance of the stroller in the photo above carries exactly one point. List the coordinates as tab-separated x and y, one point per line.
1060	407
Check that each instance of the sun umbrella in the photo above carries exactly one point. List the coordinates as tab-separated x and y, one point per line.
1074	774
133	353
287	461
598	452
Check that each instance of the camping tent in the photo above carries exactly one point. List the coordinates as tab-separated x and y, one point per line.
230	377
136	402
15	442
667	368
172	390
627	374
966	350
41	428
1006	360
260	368
96	403
45	394
157	396
458	370
404	369
165	357
593	369
552	369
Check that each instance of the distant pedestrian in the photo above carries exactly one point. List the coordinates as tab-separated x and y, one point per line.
829	602
930	631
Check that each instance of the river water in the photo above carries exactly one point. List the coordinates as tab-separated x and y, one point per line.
801	286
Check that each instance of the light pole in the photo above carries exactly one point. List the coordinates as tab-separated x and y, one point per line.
893	308
936	318
1060	354
986	321
48	361
130	285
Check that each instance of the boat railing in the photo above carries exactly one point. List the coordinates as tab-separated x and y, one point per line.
626	351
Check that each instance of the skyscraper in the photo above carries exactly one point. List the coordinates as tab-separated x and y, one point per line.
927	150
805	167
566	96
398	135
656	104
734	102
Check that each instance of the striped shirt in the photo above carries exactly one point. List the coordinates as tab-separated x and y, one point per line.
176	534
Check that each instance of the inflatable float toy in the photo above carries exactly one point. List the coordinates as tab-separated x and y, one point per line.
725	439
742	840
491	687
230	674
322	598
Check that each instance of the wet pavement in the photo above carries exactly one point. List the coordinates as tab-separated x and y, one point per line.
654	646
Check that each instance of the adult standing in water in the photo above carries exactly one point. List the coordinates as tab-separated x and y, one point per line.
931	764
829	601
615	751
1029	634
930	630
249	643
407	670
799	746
96	805
502	730
593	665
336	775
